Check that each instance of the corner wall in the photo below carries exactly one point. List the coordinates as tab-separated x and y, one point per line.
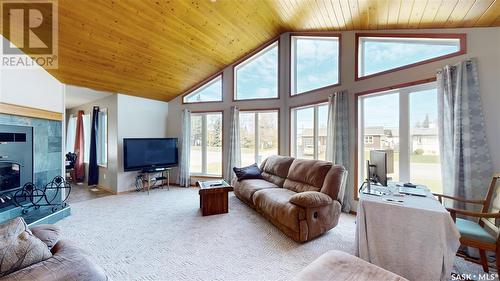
482	43
137	118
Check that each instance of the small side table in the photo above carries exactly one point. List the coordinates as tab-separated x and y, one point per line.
214	197
164	176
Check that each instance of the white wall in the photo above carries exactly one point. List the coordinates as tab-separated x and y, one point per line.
138	117
482	43
34	88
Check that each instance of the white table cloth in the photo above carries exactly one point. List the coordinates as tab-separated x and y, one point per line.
416	239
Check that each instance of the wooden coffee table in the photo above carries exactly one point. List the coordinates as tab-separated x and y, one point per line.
213	197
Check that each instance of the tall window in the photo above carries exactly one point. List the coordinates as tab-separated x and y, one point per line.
102	137
206	144
315	62
309	126
402	122
259	135
209	92
380	53
257	77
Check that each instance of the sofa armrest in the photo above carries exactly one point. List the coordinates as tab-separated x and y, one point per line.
48	233
68	262
311	199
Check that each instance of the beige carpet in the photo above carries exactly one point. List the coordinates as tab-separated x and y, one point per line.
164	237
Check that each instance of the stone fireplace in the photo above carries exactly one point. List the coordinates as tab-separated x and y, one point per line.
37	159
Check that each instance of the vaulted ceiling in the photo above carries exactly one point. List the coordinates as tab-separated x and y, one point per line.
160	48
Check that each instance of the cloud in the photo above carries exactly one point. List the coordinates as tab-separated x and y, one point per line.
380	56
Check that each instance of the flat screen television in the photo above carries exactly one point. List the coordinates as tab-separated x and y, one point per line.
149	153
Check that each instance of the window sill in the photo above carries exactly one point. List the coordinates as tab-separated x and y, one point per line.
205	176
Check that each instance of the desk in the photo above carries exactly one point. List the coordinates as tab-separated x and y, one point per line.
416	239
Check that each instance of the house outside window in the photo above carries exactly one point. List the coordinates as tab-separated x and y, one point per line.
259	131
309	131
406	127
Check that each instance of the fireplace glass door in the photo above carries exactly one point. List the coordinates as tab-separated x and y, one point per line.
10	176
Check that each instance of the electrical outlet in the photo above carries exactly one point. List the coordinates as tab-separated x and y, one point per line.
104	176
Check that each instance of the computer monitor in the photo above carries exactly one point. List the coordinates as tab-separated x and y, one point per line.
378	167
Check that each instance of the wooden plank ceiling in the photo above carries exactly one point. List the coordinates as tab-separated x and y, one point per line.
158	49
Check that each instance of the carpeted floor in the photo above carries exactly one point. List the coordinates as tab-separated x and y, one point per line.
164	237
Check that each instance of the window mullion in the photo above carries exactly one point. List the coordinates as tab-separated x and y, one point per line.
404	136
294	133
204	144
257	138
315	132
360	140
361	59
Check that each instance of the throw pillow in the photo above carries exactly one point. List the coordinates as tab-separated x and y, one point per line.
249	172
19	248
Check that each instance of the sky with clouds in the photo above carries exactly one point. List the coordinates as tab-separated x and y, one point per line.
258	77
316	63
383	110
384	55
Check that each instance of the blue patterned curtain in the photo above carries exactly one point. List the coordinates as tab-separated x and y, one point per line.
465	158
337	140
93	177
234	156
185	149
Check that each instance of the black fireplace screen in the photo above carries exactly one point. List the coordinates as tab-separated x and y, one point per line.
10	176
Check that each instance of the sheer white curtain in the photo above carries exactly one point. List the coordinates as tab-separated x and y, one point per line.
71	134
234	156
465	158
185	149
87	124
337	140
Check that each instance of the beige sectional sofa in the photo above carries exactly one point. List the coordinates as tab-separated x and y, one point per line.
303	198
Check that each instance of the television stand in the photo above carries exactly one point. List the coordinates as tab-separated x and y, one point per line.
154	175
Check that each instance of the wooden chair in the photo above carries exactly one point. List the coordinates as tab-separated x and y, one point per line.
473	234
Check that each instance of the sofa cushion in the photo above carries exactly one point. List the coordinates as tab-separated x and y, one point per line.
275	169
311	199
306	175
246	188
335	182
248	172
48	233
472	230
275	203
340	266
19	248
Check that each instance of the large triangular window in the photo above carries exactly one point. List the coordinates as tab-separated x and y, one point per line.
257	76
209	92
383	53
